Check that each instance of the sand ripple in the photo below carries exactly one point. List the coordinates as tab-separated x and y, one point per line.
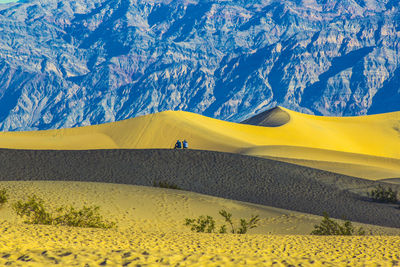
46	245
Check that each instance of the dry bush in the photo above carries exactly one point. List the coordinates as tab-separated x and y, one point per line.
381	194
3	196
85	217
34	212
206	224
330	227
203	224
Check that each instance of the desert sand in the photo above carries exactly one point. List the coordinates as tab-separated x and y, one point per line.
226	175
365	146
92	247
151	231
287	167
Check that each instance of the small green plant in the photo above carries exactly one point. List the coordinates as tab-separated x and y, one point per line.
203	224
206	224
3	196
381	194
330	227
85	217
164	184
244	225
34	212
247	225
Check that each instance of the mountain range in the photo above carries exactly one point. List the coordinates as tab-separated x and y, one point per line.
80	62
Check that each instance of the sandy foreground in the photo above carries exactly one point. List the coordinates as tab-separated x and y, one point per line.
47	245
151	232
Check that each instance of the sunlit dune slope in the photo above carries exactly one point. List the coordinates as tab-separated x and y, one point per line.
150	230
364	157
352	164
152	209
225	175
372	141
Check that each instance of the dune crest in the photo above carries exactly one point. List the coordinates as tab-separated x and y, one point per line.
352	164
366	138
274	117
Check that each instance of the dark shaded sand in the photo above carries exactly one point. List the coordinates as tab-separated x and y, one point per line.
226	175
271	118
391	180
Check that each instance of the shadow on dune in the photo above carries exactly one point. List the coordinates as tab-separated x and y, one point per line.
274	117
226	175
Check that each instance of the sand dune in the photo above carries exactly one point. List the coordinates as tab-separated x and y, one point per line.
370	172
236	173
151	209
271	118
358	165
68	247
362	141
191	250
226	175
391	180
151	231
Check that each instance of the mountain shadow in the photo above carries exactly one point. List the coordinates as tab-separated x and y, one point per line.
313	92
387	99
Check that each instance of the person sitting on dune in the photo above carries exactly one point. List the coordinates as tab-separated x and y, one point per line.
185	144
178	145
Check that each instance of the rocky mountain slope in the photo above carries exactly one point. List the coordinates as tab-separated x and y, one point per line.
80	62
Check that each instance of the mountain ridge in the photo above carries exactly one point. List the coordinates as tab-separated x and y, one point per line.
76	63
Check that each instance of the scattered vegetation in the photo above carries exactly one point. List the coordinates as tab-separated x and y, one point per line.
381	194
164	184
330	227
34	212
206	224
244	225
3	196
203	224
85	217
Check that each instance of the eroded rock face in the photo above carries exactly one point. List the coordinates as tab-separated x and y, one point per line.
80	62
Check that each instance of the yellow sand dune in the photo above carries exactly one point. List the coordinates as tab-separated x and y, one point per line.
330	143
151	209
353	164
151	231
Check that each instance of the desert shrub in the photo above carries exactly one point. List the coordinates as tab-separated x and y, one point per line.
203	224
330	227
85	217
34	212
381	194
247	225
244	225
164	184
3	196
206	224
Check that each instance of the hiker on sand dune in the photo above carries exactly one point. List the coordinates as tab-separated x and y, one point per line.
178	145
185	144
